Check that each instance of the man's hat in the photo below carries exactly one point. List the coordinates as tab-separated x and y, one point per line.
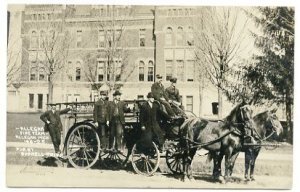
158	76
103	93
173	80
150	95
117	92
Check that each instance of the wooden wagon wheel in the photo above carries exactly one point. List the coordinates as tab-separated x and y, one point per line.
174	159
145	161
83	146
114	159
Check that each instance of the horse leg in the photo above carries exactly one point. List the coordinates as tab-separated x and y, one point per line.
192	153
233	159
217	158
248	159
252	165
228	162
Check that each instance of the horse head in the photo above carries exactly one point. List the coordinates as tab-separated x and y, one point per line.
241	116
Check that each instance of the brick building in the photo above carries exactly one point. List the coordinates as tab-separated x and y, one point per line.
153	40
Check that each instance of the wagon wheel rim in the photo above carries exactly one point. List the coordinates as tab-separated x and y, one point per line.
113	159
83	146
145	163
174	160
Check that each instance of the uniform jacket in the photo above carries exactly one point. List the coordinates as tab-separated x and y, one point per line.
54	118
158	91
173	93
101	111
149	117
121	108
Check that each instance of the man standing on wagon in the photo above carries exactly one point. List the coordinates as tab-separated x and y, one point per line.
116	120
101	117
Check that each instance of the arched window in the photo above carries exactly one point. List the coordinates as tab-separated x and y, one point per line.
169	36
78	71
34	40
42	72
150	71
179	36
33	71
190	36
141	71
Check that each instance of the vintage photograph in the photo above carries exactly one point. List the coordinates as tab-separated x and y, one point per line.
150	96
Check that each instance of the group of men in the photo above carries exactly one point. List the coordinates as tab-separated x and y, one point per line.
110	120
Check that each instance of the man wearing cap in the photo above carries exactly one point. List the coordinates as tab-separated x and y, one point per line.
53	125
173	95
101	117
149	122
158	91
116	120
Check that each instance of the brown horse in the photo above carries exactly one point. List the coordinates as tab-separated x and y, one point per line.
216	137
267	127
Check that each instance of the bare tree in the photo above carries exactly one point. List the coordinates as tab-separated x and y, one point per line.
52	49
218	40
113	52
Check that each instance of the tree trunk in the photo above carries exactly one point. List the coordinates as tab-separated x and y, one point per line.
50	89
220	103
200	98
289	123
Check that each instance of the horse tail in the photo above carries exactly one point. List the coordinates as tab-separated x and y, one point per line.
209	158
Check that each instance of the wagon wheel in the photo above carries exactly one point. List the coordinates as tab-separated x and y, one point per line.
114	159
83	146
145	161
174	159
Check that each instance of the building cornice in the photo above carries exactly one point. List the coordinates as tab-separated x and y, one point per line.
95	19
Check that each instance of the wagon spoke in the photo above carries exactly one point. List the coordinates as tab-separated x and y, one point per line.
149	164
146	164
87	160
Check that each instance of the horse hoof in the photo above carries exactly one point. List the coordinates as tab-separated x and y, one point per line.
252	178
221	180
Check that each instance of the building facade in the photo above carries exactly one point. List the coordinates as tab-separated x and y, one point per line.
99	47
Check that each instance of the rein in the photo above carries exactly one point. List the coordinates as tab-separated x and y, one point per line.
197	144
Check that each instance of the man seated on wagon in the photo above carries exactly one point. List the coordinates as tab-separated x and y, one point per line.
149	113
172	94
158	91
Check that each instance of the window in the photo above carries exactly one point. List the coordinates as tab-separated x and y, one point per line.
101	38
79	39
189	103
51	37
108	71
190	36
34	40
118	67
70	69
168	40
69	98
77	97
78	74
142	37
40	101
42	75
169	69
31	101
179	37
34	17
150	71
100	70
169	12
140	97
141	71
118	37
190	70
33	71
180	70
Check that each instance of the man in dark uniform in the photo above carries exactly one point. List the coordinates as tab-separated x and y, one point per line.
173	95
101	118
53	124
149	113
158	91
116	120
